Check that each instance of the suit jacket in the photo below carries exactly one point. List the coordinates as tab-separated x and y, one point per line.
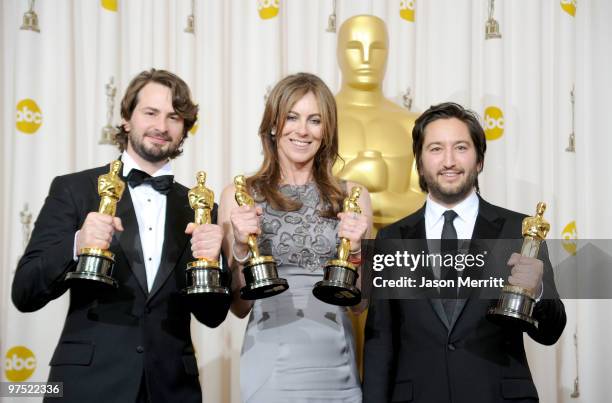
112	337
413	354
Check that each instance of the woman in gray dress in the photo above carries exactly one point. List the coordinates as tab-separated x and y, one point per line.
296	348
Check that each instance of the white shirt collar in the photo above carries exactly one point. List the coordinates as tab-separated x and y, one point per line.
467	209
129	164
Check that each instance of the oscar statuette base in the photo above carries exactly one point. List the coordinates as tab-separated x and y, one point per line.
261	278
338	284
514	309
206	277
94	265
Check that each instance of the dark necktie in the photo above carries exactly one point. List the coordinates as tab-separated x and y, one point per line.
448	246
161	183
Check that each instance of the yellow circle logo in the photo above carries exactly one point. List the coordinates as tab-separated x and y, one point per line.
569	238
194	129
569	6
19	364
110	5
268	8
29	116
493	123
407	10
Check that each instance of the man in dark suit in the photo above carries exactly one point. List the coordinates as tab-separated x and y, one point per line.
444	349
133	342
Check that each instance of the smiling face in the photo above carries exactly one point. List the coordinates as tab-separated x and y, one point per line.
448	162
155	129
301	135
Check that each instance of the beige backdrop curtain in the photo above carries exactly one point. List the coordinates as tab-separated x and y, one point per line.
53	105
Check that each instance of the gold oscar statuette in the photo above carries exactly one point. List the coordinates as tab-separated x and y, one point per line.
97	264
340	275
109	131
492	26
331	20
30	19
515	305
204	276
260	274
190	28
374	133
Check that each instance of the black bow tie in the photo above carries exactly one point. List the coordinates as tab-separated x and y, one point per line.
161	183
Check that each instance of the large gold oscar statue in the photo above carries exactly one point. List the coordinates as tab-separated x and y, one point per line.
375	133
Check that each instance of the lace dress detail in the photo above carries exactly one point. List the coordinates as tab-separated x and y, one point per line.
301	238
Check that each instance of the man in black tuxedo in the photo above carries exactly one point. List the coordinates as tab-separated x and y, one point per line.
440	350
132	343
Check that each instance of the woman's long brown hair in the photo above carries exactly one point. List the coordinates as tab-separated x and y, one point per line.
265	183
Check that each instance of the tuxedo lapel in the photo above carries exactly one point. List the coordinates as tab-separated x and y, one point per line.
414	228
414	225
178	215
129	239
488	227
488	223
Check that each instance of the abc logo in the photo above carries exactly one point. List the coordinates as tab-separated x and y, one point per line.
494	123
569	6
194	129
29	116
267	8
407	10
110	5
569	238
19	364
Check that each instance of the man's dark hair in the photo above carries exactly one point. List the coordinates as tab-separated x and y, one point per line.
448	110
181	102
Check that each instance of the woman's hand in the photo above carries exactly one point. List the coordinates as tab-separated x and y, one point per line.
353	226
245	221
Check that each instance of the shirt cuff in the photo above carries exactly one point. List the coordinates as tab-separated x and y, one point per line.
74	251
539	297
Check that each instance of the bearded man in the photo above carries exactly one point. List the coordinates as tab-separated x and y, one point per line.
443	349
131	343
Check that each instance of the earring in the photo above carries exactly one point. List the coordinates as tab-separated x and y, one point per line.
273	132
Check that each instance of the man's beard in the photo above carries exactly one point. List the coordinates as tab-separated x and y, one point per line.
153	153
451	195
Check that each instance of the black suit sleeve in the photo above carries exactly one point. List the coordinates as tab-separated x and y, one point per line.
549	311
212	311
39	277
379	348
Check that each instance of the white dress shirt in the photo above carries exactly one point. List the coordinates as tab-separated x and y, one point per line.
467	212
150	209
